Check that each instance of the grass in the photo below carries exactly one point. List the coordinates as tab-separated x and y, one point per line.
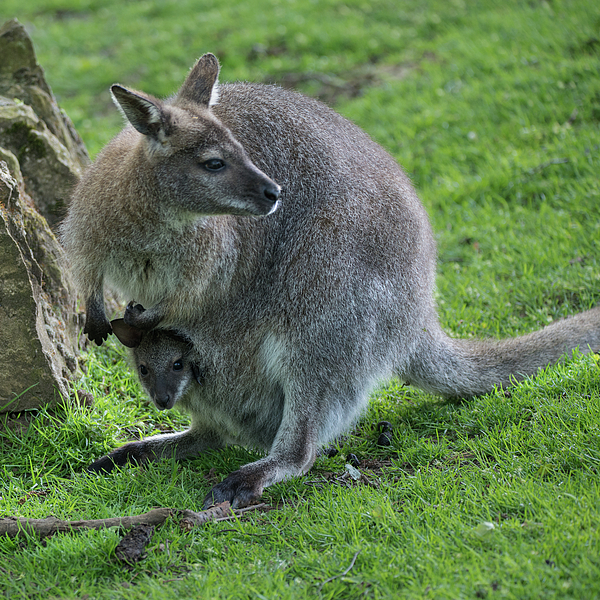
494	111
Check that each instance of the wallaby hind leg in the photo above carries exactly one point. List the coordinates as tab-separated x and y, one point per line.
293	453
311	418
179	445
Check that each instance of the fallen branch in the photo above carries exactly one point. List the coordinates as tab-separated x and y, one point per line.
16	526
131	548
20	526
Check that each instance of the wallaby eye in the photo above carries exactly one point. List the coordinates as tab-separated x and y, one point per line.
214	164
178	365
143	370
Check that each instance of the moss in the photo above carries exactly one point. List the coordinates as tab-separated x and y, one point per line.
24	142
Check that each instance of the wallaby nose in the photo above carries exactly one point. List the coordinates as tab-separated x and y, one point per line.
272	192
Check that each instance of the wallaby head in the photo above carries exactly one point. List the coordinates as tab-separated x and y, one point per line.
196	163
162	360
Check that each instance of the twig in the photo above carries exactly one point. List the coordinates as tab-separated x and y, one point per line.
190	519
219	512
344	573
548	163
19	526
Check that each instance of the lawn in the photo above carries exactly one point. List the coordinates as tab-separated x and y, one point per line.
494	111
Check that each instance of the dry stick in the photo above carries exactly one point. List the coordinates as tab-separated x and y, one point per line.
342	574
16	526
19	526
548	163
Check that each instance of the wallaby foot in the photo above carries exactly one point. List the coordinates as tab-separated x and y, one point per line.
239	488
132	452
246	485
182	445
140	318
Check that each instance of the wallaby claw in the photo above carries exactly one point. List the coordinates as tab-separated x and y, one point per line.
235	489
97	332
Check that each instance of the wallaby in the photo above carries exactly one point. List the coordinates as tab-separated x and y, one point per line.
173	372
165	365
294	315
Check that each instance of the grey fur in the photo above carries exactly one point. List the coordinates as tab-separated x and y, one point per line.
296	315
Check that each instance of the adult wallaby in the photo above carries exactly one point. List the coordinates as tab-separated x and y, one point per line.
296	315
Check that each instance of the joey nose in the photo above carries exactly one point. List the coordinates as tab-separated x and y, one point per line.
162	402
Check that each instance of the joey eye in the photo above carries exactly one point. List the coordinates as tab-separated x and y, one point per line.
178	365
143	370
214	164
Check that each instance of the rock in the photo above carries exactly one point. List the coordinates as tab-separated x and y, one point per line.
50	153
38	317
41	158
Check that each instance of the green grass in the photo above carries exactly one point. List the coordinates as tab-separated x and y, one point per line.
494	111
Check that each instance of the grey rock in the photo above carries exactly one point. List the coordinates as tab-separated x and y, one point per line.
50	153
41	158
38	317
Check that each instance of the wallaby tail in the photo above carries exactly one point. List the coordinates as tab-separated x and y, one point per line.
463	368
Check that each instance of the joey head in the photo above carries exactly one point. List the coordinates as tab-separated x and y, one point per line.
162	360
167	371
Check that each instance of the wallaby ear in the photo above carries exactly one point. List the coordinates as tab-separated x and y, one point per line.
201	85
146	114
127	335
198	373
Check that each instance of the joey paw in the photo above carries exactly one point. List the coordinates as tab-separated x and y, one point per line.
140	318
132	314
238	489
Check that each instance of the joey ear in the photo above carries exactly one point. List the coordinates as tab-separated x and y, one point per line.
198	373
201	85
146	114
128	336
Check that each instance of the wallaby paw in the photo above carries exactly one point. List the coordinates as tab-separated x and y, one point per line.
97	332
118	458
238	489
